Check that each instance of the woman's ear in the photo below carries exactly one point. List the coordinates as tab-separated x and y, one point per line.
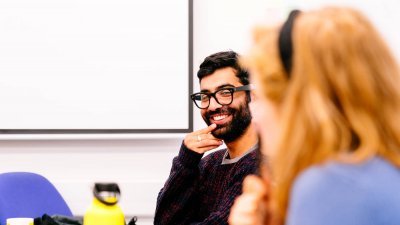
253	96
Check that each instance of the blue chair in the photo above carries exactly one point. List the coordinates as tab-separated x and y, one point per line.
24	194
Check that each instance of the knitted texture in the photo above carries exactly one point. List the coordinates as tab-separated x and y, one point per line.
202	191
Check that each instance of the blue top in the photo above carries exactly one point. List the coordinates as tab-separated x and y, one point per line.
346	194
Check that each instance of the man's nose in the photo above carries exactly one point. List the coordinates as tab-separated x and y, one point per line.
214	104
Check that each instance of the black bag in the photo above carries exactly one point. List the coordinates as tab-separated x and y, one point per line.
57	220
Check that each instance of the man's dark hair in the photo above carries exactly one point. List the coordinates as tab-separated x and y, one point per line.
222	60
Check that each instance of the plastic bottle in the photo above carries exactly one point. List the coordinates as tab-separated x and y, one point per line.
104	209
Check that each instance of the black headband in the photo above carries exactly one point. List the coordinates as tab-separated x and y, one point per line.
285	41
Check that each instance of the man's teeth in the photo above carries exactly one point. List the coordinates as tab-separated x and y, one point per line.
216	118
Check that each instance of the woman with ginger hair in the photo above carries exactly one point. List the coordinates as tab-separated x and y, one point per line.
328	112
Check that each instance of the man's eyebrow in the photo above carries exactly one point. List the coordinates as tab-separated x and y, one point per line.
219	87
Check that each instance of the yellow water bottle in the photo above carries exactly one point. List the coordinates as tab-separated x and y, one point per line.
104	209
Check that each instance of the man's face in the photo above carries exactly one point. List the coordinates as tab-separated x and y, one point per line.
231	120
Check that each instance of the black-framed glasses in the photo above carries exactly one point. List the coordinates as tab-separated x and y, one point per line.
223	96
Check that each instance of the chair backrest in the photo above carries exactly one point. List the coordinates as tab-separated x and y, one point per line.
24	194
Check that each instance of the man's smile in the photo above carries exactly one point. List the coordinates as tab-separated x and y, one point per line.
220	118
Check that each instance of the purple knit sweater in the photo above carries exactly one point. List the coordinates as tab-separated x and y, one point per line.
202	191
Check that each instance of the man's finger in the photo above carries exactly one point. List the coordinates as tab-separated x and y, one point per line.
208	148
204	137
207	129
210	136
208	142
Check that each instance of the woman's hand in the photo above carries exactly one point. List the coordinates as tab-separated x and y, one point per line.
252	207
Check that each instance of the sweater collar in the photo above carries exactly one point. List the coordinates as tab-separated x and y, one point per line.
227	160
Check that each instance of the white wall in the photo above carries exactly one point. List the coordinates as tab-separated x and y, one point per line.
141	163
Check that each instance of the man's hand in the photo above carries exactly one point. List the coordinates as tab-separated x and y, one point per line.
202	140
252	207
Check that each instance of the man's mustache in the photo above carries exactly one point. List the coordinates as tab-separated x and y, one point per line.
224	110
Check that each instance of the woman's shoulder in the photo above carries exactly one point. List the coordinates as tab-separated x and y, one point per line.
374	172
346	193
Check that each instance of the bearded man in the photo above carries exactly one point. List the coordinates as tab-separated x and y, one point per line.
201	190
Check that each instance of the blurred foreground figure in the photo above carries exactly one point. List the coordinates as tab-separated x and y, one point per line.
328	111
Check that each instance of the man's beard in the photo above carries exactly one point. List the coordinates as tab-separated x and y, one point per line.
241	119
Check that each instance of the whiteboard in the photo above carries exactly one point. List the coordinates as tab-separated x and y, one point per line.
87	66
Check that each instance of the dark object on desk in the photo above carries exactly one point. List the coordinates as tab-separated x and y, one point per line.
57	220
133	221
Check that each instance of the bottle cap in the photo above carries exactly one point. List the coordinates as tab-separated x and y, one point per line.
107	193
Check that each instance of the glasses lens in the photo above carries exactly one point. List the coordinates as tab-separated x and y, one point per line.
201	100
224	96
